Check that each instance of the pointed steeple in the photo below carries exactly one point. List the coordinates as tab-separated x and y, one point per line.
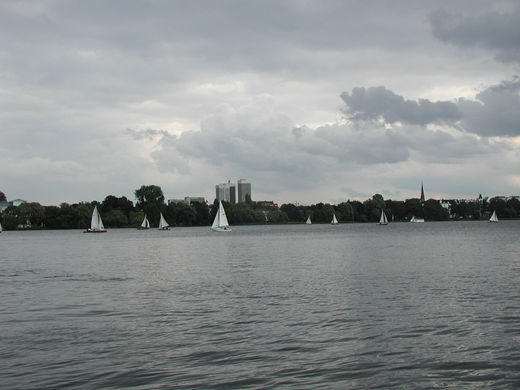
422	192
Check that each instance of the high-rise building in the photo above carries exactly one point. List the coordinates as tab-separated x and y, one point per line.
244	188
226	192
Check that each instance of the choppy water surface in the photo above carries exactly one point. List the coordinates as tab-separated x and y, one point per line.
349	307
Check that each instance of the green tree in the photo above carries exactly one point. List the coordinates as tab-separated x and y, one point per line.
82	213
378	201
397	209
514	204
434	211
11	219
115	218
466	209
186	215
497	204
372	207
170	214
248	200
413	208
150	199
276	216
201	213
135	218
293	213
31	213
112	202
51	220
358	211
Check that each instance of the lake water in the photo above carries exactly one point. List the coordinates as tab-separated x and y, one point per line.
304	307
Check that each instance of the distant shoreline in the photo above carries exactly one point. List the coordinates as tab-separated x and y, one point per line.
261	224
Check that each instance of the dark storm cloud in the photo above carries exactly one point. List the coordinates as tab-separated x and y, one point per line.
496	111
374	102
496	31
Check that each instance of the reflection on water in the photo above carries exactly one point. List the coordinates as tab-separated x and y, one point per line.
319	306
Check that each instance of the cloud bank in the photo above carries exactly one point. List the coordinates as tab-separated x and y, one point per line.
382	129
101	97
495	112
497	31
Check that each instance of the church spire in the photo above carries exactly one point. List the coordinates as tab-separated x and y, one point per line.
422	192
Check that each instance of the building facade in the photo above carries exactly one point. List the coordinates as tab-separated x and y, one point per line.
244	188
226	192
188	200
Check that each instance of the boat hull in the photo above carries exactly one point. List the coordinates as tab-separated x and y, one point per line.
221	229
95	231
164	228
143	228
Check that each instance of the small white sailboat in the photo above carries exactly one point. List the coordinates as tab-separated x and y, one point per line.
96	224
334	220
163	225
494	217
0	228
383	220
413	219
308	221
220	223
145	225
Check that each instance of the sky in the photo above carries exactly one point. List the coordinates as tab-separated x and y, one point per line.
311	101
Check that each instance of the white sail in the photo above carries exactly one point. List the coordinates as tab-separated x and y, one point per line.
334	220
413	219
145	224
163	225
0	228
94	221
494	217
308	222
96	224
100	223
383	220
220	223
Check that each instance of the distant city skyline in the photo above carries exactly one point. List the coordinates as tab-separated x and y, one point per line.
229	192
310	100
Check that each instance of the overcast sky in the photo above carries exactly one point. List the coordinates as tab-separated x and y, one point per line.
310	100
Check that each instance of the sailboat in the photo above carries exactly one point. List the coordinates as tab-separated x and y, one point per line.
220	223
0	228
308	221
494	217
163	225
383	220
145	225
413	219
334	220
96	224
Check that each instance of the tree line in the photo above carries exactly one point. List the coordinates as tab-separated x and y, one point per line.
119	212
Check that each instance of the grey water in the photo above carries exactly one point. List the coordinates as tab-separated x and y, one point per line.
354	306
